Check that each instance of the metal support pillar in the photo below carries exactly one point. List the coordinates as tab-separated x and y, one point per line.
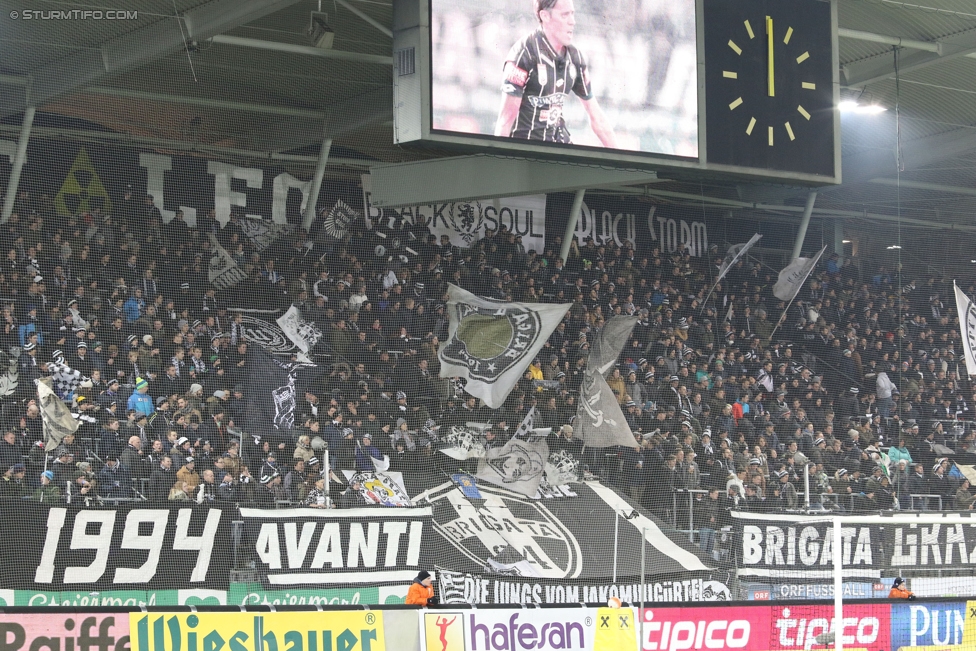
18	166
574	215
838	247
313	197
804	224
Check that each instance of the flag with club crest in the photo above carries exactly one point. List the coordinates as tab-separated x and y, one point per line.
520	464
491	343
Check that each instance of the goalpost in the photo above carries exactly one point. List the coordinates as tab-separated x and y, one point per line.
891	520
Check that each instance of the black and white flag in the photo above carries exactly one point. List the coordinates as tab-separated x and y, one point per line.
337	220
967	322
275	387
734	254
491	343
55	415
263	233
606	347
222	271
302	333
64	379
520	464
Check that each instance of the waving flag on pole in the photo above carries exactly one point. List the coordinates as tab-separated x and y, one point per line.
491	343
967	322
599	419
792	277
734	254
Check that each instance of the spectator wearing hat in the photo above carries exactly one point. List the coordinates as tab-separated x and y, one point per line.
140	401
270	492
188	475
899	590
48	492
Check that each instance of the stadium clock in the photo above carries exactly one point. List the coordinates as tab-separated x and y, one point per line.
770	85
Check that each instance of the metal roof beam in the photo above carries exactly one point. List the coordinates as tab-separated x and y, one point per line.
136	48
206	102
882	67
380	27
305	50
916	154
127	140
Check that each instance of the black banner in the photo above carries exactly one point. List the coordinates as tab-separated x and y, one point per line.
797	548
350	547
66	548
274	386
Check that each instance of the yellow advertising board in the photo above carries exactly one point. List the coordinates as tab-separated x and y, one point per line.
615	629
308	631
444	631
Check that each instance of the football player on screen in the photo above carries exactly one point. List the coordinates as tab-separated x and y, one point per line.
540	71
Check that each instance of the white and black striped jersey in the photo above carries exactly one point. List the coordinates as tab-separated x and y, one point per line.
543	79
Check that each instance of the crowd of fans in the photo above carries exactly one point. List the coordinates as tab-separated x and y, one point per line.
860	394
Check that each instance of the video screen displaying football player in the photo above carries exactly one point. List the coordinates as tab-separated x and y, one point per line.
541	73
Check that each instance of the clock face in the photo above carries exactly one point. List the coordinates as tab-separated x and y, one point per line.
769	84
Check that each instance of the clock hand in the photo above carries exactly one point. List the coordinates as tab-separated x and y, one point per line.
771	82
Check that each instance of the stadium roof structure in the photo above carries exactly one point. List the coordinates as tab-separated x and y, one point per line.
239	78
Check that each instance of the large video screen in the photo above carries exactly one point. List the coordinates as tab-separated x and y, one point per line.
614	74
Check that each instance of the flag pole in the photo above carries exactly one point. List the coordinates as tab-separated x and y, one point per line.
783	316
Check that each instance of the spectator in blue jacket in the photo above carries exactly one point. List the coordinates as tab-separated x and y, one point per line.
140	401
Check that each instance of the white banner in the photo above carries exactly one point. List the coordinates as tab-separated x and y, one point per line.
466	222
380	488
568	629
967	321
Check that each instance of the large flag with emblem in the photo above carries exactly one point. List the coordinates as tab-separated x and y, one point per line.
967	322
275	386
520	464
55	416
491	343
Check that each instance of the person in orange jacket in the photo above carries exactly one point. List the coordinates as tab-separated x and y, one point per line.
421	593
899	591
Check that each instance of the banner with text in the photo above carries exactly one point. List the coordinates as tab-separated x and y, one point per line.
295	547
773	628
782	548
466	222
349	630
567	629
139	549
